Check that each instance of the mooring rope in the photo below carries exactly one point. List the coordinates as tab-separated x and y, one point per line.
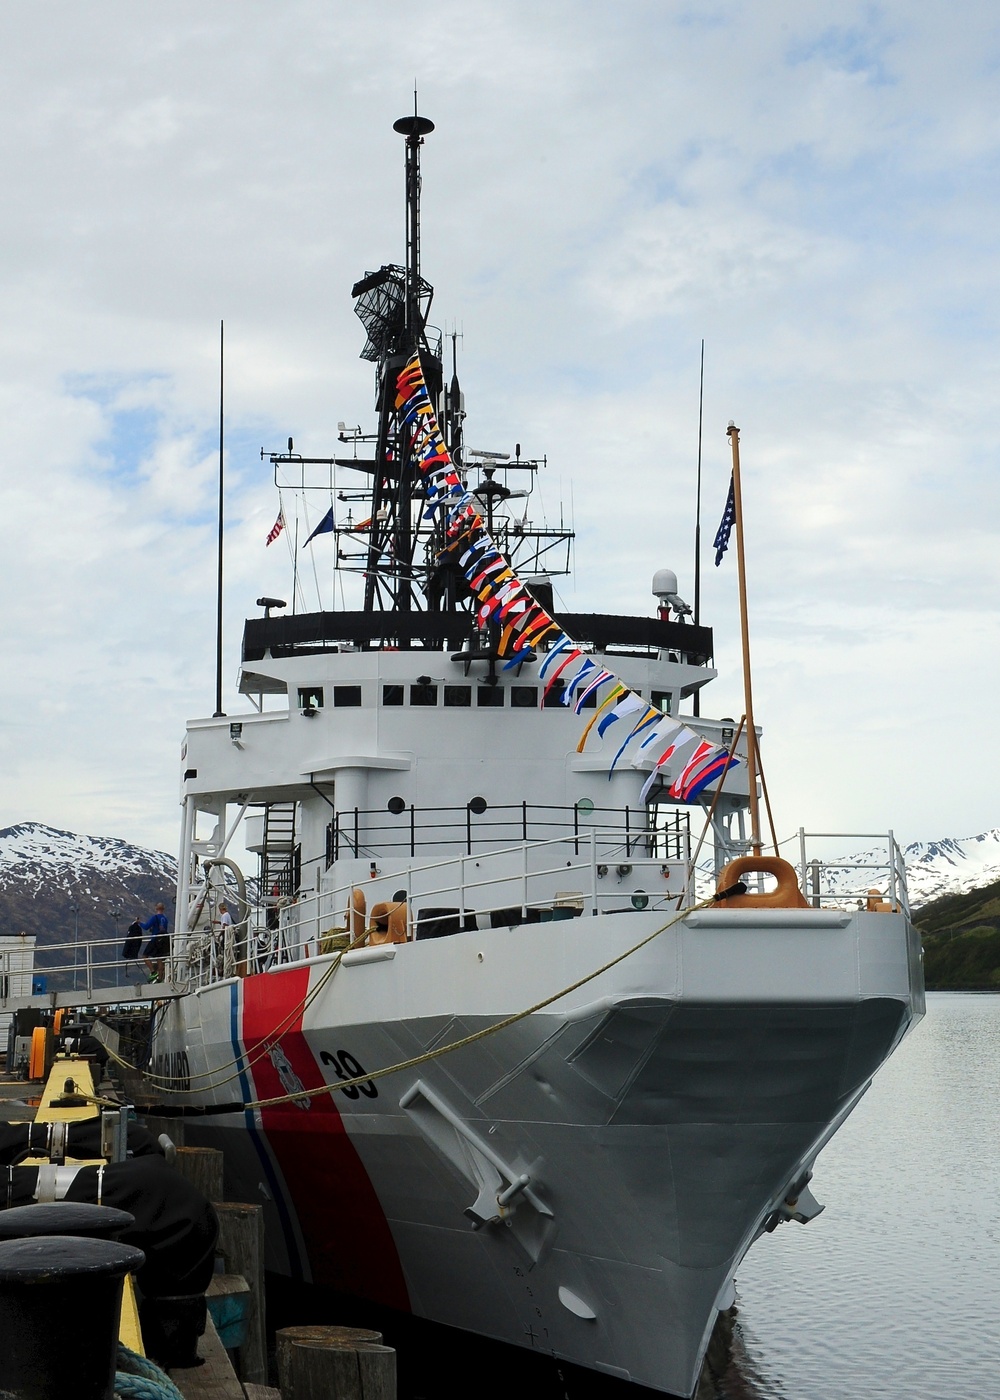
428	1055
138	1378
242	1062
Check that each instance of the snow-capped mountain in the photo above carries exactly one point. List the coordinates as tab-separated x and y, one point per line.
60	885
64	859
952	865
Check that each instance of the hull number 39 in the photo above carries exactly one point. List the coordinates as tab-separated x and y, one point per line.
345	1066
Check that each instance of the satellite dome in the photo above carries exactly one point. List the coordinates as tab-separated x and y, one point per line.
664	583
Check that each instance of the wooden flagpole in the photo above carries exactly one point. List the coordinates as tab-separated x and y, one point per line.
733	434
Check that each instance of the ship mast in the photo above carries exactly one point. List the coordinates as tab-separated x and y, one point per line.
414	128
389	575
402	557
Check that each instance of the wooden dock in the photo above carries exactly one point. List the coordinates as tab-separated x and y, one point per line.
215	1379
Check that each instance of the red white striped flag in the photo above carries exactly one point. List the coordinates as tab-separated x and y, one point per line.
276	528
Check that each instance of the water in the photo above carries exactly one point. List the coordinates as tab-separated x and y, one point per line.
894	1292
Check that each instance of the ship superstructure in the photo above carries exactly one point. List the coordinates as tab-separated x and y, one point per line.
571	1091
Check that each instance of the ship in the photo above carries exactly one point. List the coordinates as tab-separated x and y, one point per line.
479	1031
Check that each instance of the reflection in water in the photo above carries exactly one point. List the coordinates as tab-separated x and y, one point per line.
730	1371
892	1293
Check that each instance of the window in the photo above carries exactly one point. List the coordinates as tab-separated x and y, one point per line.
554	695
591	701
392	695
490	696
523	697
310	697
423	694
458	696
662	700
344	695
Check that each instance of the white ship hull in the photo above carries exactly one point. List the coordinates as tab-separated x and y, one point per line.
661	1114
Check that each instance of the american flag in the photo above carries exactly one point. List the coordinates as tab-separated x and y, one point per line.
721	541
276	528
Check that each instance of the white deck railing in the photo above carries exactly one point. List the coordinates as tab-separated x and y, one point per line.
562	878
849	879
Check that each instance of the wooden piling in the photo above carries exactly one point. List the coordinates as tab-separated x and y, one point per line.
173	1127
316	1363
241	1243
291	1338
202	1167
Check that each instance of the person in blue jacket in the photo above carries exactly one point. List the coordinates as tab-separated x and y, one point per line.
157	950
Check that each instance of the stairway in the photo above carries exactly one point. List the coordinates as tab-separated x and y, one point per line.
280	857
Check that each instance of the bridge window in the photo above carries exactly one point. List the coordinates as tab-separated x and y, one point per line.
523	697
310	697
662	700
346	695
553	698
392	695
423	694
458	696
490	696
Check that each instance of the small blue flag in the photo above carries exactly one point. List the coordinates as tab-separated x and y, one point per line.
325	526
721	541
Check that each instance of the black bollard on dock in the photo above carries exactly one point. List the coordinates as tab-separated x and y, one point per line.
60	1300
77	1218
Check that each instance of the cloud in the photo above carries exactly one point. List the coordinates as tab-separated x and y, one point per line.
817	200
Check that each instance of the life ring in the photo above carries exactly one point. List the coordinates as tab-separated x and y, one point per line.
785	895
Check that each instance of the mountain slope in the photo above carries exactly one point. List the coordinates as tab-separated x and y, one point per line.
59	885
961	937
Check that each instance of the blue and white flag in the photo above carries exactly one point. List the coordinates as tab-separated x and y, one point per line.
721	541
325	526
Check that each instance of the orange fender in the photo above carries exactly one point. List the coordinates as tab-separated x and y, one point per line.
786	895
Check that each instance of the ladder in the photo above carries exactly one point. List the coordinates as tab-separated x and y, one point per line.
279	856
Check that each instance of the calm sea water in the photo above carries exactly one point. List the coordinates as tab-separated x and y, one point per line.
893	1293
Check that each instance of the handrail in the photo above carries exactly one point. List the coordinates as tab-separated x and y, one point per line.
891	868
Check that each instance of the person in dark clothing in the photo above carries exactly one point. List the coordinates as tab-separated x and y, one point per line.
133	940
158	948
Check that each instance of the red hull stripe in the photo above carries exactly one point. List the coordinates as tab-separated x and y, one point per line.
350	1245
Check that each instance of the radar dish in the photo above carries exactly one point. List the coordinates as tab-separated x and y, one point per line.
381	306
413	126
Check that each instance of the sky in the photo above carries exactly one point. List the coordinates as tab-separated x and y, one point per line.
811	190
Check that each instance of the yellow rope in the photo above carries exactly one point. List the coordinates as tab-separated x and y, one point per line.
429	1055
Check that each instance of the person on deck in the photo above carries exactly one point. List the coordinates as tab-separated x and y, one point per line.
226	939
158	948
